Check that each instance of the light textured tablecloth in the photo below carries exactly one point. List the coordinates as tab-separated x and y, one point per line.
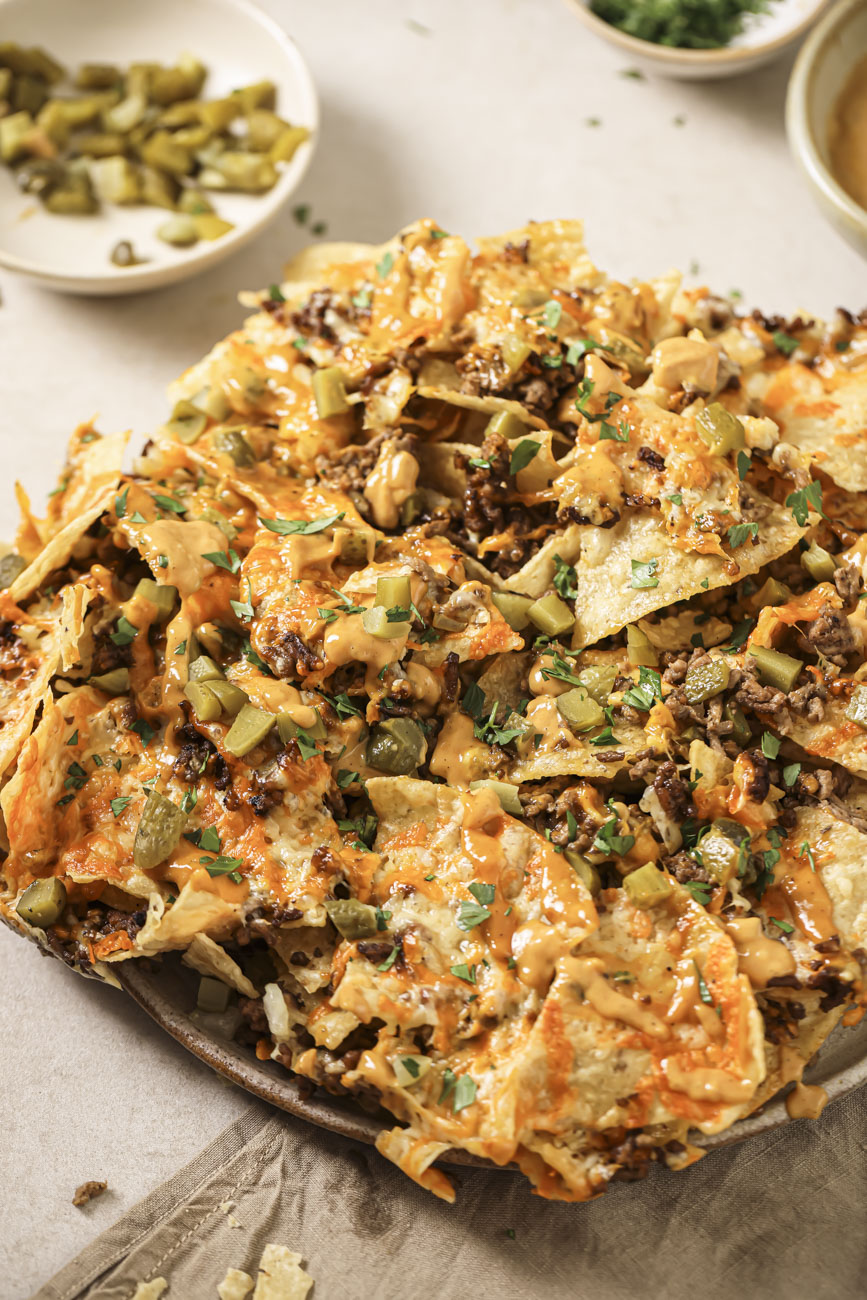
780	1217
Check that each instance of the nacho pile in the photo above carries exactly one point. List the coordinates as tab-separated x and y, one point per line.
470	681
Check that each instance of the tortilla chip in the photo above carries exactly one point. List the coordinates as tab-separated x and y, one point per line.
579	758
281	1276
823	414
236	1285
208	958
607	601
75	600
56	552
197	911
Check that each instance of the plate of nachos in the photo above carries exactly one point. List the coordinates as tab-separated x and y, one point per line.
458	710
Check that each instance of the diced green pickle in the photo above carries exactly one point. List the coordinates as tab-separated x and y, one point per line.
857	707
206	706
213	402
394	591
203	669
706	680
115	682
551	615
158	832
506	793
647	886
722	431
776	669
248	730
213	995
42	903
579	709
598	680
74	198
209	226
11	566
507	425
395	746
819	563
724	849
585	870
514	608
180	231
231	442
116	180
515	351
187	423
741	733
356	545
329	392
163	596
639	648
97	76
376	623
287	143
771	592
232	699
351	918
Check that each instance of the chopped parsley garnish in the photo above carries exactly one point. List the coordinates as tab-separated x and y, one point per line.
464	972
676	498
471	915
552	363
361	299
551	313
486	728
137	518
482	893
479	462
561	670
745	464
343	706
618	434
565	579
576	351
144	731
76	777
385	264
806	851
209	840
329	615
242	610
390	959
740	635
465	1093
439	234
782	925
120	503
189	800
252	658
738	534
163	561
345	778
125	633
571	825
606	737
382	918
649	688
703	990
700	890
801	501
785	343
644	574
791	774
223	866
73	739
287	527
770	745
275	293
523	454
171	504
229	562
410	1064
64	800
608	841
118	805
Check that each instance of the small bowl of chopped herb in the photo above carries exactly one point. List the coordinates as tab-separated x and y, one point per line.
699	39
143	143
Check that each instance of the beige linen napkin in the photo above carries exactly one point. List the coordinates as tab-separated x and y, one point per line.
780	1217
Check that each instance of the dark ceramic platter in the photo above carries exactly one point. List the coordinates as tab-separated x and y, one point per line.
167	993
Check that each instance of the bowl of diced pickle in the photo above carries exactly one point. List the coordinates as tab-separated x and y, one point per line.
140	144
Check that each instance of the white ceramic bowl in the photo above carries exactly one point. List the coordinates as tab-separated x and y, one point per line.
822	69
765	36
239	44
